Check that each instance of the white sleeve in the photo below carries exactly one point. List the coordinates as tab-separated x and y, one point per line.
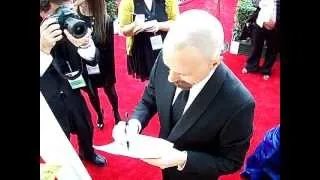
265	13
45	61
89	52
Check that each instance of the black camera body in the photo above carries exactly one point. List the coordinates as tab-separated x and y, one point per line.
70	20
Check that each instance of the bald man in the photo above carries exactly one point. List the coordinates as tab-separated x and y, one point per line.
203	107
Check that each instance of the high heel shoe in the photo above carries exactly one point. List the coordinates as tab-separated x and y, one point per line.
100	123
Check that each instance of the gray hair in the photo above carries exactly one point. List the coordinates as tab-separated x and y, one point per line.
198	29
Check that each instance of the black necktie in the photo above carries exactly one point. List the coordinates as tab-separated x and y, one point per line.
178	106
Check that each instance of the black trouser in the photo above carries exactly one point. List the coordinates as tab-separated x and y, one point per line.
73	116
112	96
259	35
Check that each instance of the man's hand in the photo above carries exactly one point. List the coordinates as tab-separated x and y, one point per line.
50	33
170	158
80	42
123	131
269	25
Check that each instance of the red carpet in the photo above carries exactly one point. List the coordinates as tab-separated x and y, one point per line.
266	93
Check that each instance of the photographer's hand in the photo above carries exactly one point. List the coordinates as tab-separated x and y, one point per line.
50	33
81	42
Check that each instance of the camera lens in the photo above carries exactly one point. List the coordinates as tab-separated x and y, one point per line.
79	30
76	27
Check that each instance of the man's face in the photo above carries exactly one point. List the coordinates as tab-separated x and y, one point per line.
187	66
54	7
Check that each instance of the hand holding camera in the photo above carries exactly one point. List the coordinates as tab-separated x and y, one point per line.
83	42
50	33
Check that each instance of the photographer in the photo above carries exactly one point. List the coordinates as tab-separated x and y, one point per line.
61	56
103	75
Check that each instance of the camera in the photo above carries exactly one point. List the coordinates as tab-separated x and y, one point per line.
70	20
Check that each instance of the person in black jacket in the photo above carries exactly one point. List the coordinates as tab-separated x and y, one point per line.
61	91
103	74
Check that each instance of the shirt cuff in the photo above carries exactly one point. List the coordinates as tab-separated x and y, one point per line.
137	122
88	53
181	166
45	62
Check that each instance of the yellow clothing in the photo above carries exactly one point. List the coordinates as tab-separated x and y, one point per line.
126	11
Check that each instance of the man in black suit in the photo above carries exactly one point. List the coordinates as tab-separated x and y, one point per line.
58	57
203	107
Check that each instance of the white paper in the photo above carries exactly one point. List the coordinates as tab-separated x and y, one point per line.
156	42
141	146
234	47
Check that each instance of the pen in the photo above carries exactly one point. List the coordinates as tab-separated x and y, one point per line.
125	130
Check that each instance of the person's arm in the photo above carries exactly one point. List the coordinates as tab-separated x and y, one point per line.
125	14
90	54
86	47
234	143
147	107
172	10
45	62
50	33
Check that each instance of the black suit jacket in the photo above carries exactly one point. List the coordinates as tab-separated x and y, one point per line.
215	130
61	98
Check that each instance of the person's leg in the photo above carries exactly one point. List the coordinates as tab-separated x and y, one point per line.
95	101
252	64
271	54
84	130
113	99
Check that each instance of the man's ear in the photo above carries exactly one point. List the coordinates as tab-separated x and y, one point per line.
217	58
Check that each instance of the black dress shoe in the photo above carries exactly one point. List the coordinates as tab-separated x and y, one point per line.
96	159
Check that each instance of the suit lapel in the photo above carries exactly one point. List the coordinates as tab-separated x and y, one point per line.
199	104
166	94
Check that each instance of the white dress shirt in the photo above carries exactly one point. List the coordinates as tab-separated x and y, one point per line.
86	53
194	91
267	12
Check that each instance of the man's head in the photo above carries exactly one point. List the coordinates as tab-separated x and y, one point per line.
192	47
